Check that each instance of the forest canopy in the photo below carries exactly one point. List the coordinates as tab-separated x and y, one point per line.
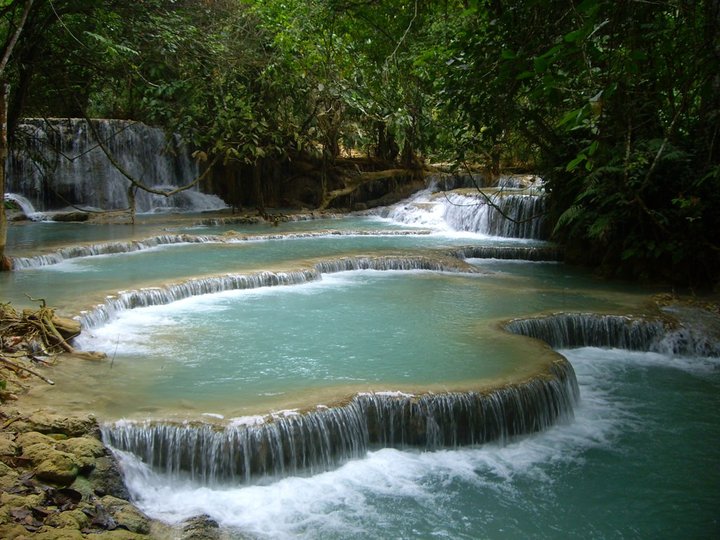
615	103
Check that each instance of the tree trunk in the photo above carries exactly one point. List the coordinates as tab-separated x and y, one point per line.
4	88
258	187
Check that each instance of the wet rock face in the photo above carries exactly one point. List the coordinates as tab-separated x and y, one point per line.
200	528
58	481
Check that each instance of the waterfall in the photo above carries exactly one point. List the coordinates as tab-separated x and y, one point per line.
25	206
518	253
194	287
390	262
155	296
60	163
108	248
511	213
568	330
475	214
316	441
534	253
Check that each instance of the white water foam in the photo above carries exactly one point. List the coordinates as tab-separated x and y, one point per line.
136	328
26	207
452	216
346	501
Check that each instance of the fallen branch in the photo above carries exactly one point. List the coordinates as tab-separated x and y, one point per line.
353	182
16	366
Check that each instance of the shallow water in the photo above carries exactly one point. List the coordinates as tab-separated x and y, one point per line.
638	461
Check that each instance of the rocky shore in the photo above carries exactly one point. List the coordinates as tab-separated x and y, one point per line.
58	481
57	478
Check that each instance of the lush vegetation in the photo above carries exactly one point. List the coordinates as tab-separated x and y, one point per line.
615	103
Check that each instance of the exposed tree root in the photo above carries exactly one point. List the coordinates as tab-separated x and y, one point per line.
27	336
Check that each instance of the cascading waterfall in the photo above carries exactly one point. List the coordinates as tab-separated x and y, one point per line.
505	211
108	248
292	443
568	330
125	300
194	287
74	252
25	206
534	253
510	215
516	253
60	163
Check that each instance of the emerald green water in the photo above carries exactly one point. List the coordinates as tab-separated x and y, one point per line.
639	460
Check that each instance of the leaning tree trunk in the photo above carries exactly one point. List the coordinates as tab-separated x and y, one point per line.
4	262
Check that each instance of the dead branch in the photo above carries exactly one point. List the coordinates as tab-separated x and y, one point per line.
17	367
354	181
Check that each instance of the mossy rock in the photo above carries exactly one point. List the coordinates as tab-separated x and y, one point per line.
85	449
8	446
71	519
13	531
106	478
50	533
58	468
47	423
31	438
8	476
201	527
12	500
126	515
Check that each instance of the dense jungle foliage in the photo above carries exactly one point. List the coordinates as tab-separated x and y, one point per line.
615	102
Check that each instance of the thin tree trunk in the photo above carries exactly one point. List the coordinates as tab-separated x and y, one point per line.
4	90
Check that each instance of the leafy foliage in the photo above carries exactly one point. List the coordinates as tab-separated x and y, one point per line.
616	103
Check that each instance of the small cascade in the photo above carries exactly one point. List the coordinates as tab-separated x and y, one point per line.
25	206
194	287
519	253
293	443
60	163
510	215
390	262
568	330
109	248
155	296
514	181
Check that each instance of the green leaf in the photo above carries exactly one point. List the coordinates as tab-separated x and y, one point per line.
575	162
574	36
541	64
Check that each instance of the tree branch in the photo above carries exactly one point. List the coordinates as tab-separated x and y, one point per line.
10	45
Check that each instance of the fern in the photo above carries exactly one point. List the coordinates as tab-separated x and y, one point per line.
568	217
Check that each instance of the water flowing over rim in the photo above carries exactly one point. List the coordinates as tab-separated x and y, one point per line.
132	246
125	300
662	334
530	253
309	442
